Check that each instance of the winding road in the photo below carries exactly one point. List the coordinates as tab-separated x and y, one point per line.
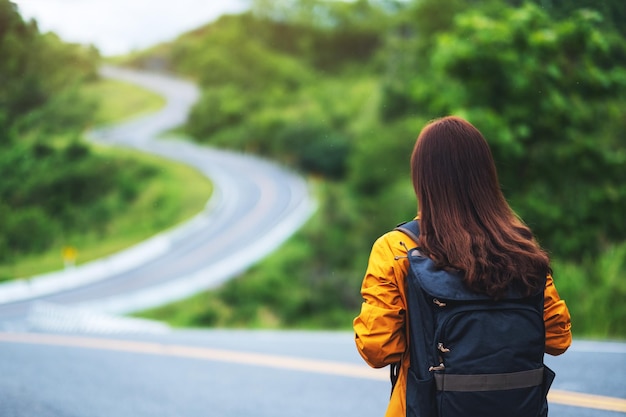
66	351
255	206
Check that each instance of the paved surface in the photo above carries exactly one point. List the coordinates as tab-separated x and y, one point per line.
241	373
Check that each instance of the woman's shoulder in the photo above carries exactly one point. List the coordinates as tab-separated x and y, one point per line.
394	239
404	234
392	247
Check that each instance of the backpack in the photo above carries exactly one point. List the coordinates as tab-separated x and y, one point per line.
471	356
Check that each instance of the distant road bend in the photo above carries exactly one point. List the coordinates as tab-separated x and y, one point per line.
256	205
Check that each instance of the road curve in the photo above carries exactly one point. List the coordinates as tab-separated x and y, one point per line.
256	205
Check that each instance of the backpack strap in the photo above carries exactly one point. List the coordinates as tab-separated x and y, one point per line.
411	229
421	386
489	382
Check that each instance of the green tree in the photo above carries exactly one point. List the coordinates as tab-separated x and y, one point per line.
613	11
38	76
327	34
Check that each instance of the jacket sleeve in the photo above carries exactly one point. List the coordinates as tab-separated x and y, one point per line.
380	327
557	321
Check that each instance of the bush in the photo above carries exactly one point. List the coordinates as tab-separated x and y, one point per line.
219	108
315	149
27	230
594	290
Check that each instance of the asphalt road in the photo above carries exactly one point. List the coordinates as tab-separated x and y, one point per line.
237	373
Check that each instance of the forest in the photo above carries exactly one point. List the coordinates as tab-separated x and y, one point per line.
339	91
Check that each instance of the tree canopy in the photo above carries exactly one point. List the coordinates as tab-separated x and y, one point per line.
39	75
549	97
53	184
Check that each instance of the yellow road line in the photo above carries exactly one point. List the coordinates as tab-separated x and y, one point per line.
577	399
574	399
245	358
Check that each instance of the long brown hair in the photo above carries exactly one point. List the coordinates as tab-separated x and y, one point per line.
465	221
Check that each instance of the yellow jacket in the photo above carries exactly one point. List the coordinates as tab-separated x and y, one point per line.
381	327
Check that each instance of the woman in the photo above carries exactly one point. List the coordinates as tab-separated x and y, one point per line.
467	225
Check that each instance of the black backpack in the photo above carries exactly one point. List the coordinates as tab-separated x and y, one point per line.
471	356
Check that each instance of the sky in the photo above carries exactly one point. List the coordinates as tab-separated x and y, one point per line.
120	26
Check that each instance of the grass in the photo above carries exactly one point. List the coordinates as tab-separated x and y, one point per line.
120	100
162	203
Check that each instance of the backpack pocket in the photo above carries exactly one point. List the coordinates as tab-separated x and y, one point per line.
420	396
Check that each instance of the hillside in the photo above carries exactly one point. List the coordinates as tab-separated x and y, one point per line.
58	191
341	90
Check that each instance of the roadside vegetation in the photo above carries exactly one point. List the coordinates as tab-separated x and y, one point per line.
340	90
59	191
